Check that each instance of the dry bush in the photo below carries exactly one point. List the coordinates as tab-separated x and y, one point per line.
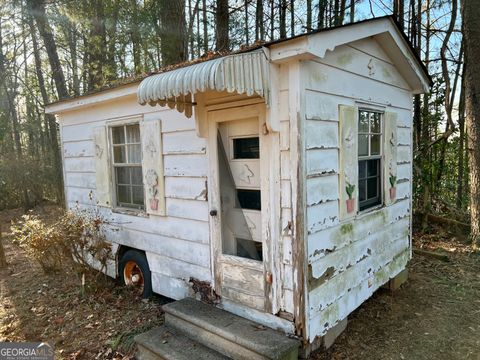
75	240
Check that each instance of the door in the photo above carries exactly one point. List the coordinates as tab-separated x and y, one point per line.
238	202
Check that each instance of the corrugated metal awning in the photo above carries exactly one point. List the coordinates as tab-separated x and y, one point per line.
246	73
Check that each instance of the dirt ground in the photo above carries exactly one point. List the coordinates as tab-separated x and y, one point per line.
435	315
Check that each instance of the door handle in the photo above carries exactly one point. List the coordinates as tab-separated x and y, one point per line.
213	213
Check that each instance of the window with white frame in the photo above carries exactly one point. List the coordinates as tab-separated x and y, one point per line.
127	166
369	159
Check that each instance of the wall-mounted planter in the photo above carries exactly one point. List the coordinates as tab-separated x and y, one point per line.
350	205
154	204
393	193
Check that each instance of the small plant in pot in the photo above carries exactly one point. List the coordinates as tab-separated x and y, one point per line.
393	189
350	189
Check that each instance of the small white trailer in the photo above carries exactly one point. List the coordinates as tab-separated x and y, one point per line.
275	182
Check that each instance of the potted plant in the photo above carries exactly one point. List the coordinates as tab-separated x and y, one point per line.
393	189
350	189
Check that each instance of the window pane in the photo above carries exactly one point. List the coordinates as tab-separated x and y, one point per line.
362	173
372	167
375	145
372	188
362	145
124	194
375	124
249	249
133	133
137	192
136	176
249	199
123	175
118	135
119	155
363	122
362	190
134	154
246	148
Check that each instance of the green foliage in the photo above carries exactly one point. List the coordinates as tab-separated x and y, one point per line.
350	189
393	180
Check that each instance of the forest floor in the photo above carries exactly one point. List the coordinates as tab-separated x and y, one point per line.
435	315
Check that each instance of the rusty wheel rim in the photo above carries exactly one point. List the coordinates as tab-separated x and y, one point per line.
133	276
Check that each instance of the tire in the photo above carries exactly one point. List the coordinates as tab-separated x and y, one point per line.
135	262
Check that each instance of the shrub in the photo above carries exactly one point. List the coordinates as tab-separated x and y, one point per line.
76	240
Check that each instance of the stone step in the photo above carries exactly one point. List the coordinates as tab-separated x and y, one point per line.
228	334
164	343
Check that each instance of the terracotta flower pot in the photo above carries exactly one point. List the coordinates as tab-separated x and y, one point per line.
154	204
350	205
393	193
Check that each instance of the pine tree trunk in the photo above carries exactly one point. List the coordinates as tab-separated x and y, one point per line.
283	19
461	145
173	30
259	27
309	15
221	22
471	36
37	10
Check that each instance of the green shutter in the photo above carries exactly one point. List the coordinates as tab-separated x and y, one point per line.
152	166
102	167
390	156
348	159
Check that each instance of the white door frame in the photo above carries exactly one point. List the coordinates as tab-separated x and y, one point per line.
270	184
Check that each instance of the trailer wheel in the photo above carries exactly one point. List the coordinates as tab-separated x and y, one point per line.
135	272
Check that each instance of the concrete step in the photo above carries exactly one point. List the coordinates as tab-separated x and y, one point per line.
228	334
164	343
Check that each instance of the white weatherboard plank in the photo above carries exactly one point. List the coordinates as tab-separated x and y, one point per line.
81	164
357	62
172	287
321	161
78	149
321	134
336	287
176	268
83	180
340	309
322	189
319	106
187	251
186	165
172	120
322	216
404	154
370	47
334	81
183	142
337	237
346	257
404	171
404	136
403	189
187	209
186	229
190	188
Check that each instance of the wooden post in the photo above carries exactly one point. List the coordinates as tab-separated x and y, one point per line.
3	260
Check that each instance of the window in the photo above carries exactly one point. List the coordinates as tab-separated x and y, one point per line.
127	166
369	159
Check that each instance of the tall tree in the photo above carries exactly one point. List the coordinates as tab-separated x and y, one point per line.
471	34
222	16
259	26
37	10
173	31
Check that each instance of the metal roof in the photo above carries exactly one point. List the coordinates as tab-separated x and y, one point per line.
244	73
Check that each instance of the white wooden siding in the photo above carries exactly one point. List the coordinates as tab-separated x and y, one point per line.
349	260
177	245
